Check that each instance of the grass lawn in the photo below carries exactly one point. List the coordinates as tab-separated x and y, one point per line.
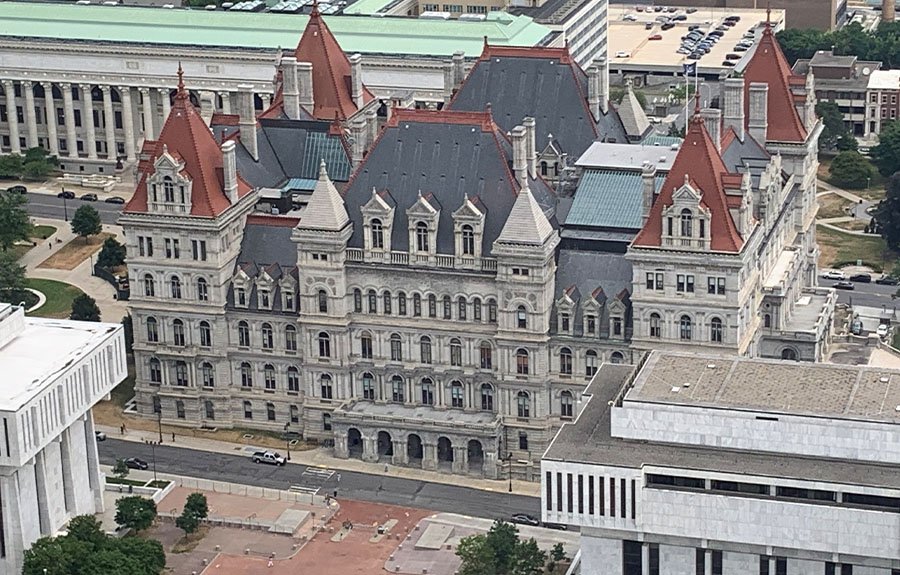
76	251
839	249
43	232
832	206
59	297
854	225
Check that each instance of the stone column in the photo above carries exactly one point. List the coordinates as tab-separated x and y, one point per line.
400	455
93	462
707	563
128	122
370	449
65	456
87	119
40	478
489	468
109	121
645	553
69	111
460	460
166	103
429	456
30	114
16	528
12	118
147	108
226	102
340	445
50	109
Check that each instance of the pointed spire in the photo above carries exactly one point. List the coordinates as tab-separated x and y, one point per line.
325	210
181	93
323	170
526	222
315	9
768	17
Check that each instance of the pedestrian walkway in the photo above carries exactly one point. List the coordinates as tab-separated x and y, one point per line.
826	188
323	458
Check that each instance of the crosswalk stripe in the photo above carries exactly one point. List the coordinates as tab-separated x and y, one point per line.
323	473
304	489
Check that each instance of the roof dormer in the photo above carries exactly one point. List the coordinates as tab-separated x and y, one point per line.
468	230
169	186
378	222
686	222
423	219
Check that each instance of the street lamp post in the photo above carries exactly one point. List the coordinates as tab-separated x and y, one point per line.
152	445
287	440
509	469
65	206
159	424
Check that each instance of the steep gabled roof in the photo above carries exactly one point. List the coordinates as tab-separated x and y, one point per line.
325	210
186	136
526	223
699	163
332	91
768	65
632	114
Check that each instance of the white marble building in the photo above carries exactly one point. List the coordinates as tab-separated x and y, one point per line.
54	372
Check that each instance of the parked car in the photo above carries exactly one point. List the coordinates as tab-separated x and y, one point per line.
691	10
17	190
66	194
525	519
623	54
667	26
679	18
861	278
728	63
740	48
114	200
883	330
655	37
887	280
629	18
833	275
648	26
844	285
99	436
135	463
557	526
270	457
89	197
733	56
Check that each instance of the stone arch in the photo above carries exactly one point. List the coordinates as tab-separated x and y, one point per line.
444	450
790	353
414	450
385	445
476	456
354	443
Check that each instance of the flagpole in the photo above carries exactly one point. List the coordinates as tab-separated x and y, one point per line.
687	98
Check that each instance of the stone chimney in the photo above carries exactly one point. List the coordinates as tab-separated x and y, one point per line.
530	146
759	116
305	85
358	133
887	10
809	105
603	84
356	83
733	105
247	122
459	68
372	127
648	189
593	90
519	139
449	82
712	120
229	169
290	87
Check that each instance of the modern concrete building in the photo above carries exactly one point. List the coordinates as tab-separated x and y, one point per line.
818	14
703	465
54	372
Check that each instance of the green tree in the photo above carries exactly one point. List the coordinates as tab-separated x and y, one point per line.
675	131
851	170
86	221
36	171
196	505
888	214
847	143
187	522
135	512
477	556
112	255
84	308
120	470
15	225
148	552
48	556
528	559
12	275
886	155
87	529
833	128
558	553
10	166
799	43
616	94
500	552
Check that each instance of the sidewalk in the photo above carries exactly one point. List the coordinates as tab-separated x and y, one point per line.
322	457
825	187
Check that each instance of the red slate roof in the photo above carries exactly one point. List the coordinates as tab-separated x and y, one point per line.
186	136
769	66
332	92
699	161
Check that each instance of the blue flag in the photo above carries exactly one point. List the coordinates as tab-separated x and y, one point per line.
689	68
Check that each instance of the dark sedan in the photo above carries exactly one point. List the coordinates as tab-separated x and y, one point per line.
525	519
135	463
66	194
843	285
861	278
887	281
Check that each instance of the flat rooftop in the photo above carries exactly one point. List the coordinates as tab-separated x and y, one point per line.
807	310
41	351
420	413
818	389
263	30
647	55
627	156
588	440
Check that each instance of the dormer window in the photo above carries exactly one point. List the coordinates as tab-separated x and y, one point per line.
422	237
468	240
377	234
468	227
423	223
378	218
264	299
240	296
288	300
564	322
687	223
168	190
169	186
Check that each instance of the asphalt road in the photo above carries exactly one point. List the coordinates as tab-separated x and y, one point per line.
870	295
352	485
47	206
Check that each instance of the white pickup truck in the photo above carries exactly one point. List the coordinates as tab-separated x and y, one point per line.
270	457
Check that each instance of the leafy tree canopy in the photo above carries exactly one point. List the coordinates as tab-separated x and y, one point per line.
15	225
851	170
886	154
84	308
12	275
888	214
500	552
86	221
112	254
135	512
882	45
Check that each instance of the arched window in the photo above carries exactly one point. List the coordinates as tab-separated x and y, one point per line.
789	354
386	303
398	388
149	289
432	305
268	339
543	168
687	223
468	240
456	394
207	374
492	310
243	334
178	333
181	374
461	311
590	363
487	397
290	338
205	334
357	300
168	189
616	357
685	327
566	403
210	410
175	287
486	355
372	298
476	309
767	320
565	361
368	386
448	307
202	290
522	361
715	330
269	377
417	305
427	388
155	371
179	409
152	330
324	344
396	347
455	352
655	325
521	317
523	404
401	303
365	346
293	380
323	301
425	349
248	410
422	237
246	375
377	234
326	387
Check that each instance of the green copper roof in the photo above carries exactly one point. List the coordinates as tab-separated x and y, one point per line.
654	139
385	35
609	199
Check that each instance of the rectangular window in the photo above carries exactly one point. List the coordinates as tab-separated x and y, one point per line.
590	494
141	246
780	566
622	498
846	569
654	559
763	565
169	248
699	561
602	495
632	558
198	249
569	493
829	568
176	251
655	281
149	247
685	283
548	493
617	326
633	499
564	322
612	496
715	285
591	325
798	493
559	495
716	563
580	493
656	480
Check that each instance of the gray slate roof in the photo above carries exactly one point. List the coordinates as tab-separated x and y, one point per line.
632	114
584	274
554	94
269	248
738	156
447	156
609	199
